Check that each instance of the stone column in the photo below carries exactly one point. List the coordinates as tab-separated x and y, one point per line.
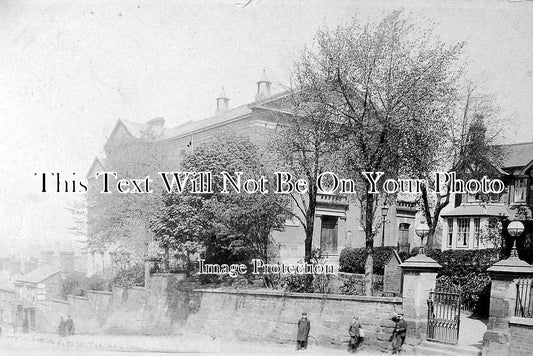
504	276
419	277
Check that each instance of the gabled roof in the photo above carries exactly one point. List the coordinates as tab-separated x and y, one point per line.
517	155
477	210
98	162
38	275
136	130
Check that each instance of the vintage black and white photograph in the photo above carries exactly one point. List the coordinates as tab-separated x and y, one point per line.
266	177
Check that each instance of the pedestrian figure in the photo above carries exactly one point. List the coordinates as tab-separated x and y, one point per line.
304	325
398	334
69	325
62	328
356	336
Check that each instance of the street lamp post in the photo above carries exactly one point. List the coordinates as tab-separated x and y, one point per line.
515	229
422	230
384	211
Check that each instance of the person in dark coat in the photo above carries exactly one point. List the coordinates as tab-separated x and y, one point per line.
398	334
304	325
355	337
62	328
69	326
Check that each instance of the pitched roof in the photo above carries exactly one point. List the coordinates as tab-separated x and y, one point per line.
477	210
224	117
98	161
136	129
38	275
517	155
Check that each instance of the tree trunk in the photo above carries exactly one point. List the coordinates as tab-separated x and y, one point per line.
369	246
146	264
188	268
166	260
430	239
309	228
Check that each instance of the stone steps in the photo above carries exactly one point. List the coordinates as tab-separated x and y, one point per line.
438	349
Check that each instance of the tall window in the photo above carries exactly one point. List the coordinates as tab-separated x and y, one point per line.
463	231
520	189
477	231
450	232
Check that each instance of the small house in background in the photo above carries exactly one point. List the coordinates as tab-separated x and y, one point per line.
43	283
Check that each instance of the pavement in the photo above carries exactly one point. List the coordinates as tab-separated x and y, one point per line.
471	331
113	345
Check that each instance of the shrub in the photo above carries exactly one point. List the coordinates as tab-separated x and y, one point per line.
78	285
353	287
352	260
129	277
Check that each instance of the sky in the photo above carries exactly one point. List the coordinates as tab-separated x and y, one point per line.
69	71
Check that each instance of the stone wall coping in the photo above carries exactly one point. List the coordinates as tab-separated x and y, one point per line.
60	301
356	275
121	289
516	320
77	297
99	292
272	293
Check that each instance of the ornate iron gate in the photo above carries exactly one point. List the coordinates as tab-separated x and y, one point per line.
444	311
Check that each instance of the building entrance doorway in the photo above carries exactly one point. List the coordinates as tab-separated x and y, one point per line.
329	234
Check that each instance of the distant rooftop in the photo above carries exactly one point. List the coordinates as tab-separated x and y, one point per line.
517	155
38	275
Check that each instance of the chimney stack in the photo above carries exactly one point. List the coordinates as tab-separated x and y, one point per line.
222	102
263	87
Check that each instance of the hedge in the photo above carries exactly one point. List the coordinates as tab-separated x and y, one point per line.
466	269
352	260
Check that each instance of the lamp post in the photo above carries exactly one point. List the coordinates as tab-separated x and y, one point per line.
384	211
422	230
515	229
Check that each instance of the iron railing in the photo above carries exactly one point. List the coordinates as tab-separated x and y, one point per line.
524	298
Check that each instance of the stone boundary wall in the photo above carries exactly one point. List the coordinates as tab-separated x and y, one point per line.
140	310
164	307
273	315
521	336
